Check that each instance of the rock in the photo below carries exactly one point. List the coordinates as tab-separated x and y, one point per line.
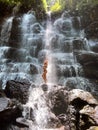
65	15
69	70
18	90
66	46
2	94
76	23
54	41
60	128
9	111
78	44
63	26
81	95
59	101
93	128
28	114
4	102
42	55
89	60
94	45
19	55
83	110
22	122
36	28
72	118
53	122
89	15
91	112
92	30
62	118
39	45
33	69
9	127
14	39
91	72
44	87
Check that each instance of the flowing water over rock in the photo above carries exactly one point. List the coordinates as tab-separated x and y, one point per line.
26	43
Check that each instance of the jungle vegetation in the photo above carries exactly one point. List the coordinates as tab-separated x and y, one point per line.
42	6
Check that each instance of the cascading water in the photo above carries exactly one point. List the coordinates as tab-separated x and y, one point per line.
38	98
60	59
58	43
19	50
6	30
51	72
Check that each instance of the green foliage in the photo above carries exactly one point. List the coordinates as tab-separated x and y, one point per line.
53	5
86	3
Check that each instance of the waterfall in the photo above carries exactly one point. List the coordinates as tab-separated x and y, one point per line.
37	101
38	98
51	72
20	40
60	45
6	30
23	56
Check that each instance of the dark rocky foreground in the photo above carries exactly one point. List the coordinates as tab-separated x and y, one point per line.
69	110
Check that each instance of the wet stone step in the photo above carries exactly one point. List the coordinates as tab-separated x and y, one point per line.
69	70
4	102
63	58
67	47
6	30
4	77
93	44
80	44
3	51
79	82
30	68
4	61
18	55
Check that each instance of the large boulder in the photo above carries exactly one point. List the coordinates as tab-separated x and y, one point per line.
81	95
9	110
91	112
59	101
83	109
89	60
18	90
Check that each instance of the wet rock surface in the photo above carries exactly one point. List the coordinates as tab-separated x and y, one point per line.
93	128
9	111
76	94
83	109
69	109
89	60
92	30
18	90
